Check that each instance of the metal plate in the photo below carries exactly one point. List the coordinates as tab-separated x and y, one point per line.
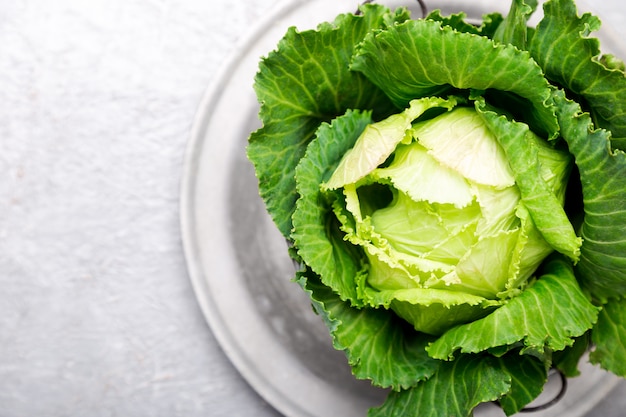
238	262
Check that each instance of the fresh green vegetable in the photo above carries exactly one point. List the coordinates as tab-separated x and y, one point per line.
455	195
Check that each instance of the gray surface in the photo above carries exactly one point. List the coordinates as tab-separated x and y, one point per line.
97	314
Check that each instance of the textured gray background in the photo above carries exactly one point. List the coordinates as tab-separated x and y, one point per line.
97	314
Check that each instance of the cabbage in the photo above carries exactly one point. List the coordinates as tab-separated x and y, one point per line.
455	196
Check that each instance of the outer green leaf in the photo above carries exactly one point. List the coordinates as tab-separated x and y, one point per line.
549	314
455	390
567	360
602	265
488	26
514	29
457	21
563	48
528	377
422	58
609	337
540	199
317	237
378	345
305	82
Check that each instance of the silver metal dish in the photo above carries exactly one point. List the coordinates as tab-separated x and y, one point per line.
238	261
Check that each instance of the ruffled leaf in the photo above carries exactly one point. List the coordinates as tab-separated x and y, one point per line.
514	29
547	315
569	56
455	390
317	237
523	155
421	58
528	377
568	360
378	345
609	338
458	21
303	83
602	266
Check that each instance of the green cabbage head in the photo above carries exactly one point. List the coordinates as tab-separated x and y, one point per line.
454	197
434	204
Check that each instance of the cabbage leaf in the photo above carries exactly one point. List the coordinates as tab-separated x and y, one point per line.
548	315
460	385
419	58
569	56
602	266
304	82
375	341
